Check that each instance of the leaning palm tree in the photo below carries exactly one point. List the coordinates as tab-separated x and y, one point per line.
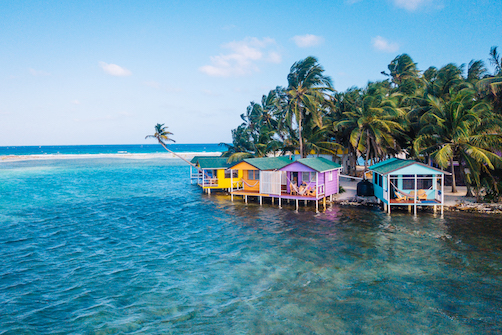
162	135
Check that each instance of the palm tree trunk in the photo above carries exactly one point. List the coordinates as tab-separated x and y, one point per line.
367	154
453	184
189	163
300	133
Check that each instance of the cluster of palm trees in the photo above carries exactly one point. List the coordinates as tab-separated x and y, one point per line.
451	116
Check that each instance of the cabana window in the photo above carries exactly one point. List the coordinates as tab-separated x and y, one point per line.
253	175
408	182
308	177
424	181
235	174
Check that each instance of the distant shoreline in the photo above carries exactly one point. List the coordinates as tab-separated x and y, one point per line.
186	155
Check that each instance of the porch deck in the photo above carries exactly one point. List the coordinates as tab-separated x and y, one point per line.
284	195
430	202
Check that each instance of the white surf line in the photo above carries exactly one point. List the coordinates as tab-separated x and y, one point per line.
186	155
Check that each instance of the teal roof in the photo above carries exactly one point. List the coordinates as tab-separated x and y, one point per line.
395	164
195	159
319	164
268	163
213	163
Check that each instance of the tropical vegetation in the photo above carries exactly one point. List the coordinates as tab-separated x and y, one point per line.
450	117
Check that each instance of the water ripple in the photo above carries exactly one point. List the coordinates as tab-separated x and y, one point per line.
114	247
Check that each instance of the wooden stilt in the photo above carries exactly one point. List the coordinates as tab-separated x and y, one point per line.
246	199
409	208
305	203
388	208
317	206
297	205
280	205
324	202
435	208
261	200
232	197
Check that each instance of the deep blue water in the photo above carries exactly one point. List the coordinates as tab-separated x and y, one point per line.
121	246
108	149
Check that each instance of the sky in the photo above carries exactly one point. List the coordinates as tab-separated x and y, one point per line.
105	72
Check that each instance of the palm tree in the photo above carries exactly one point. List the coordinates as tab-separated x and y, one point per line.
461	128
496	61
162	134
306	91
373	125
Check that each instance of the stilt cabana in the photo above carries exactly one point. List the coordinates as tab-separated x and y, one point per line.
306	179
260	177
214	173
311	179
401	182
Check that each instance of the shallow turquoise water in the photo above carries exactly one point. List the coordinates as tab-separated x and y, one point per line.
112	246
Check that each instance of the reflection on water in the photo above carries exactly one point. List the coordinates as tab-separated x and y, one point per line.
116	246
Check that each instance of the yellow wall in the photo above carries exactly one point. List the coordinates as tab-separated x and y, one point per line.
243	169
225	182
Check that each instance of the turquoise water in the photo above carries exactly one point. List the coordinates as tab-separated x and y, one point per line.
108	149
121	246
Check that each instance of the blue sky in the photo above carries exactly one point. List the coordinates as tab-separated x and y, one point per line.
105	72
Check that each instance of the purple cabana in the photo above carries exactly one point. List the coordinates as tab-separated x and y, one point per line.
312	179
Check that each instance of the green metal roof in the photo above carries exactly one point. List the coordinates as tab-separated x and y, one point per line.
268	163
319	164
213	163
195	159
395	164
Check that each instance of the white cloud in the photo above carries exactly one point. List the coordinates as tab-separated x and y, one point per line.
76	102
243	58
114	70
381	44
38	73
308	40
274	57
412	5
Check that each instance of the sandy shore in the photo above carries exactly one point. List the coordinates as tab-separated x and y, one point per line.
186	155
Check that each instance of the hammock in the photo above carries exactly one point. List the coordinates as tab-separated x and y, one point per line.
295	188
249	185
404	196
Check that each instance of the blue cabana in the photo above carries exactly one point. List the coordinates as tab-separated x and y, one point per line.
401	182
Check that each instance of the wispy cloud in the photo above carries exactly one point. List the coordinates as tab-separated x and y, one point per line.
243	57
76	102
211	93
381	44
413	5
39	73
351	2
308	40
153	84
114	70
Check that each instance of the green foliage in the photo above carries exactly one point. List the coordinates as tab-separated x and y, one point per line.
447	114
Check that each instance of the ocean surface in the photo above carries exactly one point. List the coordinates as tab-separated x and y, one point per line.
126	246
108	149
